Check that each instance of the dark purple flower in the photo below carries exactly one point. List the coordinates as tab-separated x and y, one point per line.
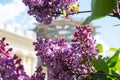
38	75
10	67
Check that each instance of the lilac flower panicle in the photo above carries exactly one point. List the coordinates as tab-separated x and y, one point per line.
38	75
68	62
10	67
45	11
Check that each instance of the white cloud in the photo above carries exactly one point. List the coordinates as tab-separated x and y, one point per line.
11	10
15	15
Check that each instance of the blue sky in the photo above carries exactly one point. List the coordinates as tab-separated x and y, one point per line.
5	1
108	32
14	13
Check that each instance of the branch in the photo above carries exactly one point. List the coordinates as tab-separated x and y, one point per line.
114	13
84	11
105	74
80	12
88	11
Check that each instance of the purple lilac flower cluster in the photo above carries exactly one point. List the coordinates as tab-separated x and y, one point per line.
83	44
10	67
68	62
45	11
38	75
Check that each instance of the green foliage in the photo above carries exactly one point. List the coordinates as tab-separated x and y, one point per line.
88	20
100	65
107	69
97	76
100	8
118	66
114	59
114	73
113	49
100	47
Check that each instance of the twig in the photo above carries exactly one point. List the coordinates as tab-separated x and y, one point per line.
88	11
105	74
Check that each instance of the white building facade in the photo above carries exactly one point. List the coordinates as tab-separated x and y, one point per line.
22	46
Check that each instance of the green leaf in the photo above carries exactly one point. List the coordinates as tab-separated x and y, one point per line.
118	66
100	65
101	8
113	49
100	47
88	20
114	73
114	59
99	77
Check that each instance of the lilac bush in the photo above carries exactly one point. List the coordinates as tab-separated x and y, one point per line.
10	67
45	11
68	62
